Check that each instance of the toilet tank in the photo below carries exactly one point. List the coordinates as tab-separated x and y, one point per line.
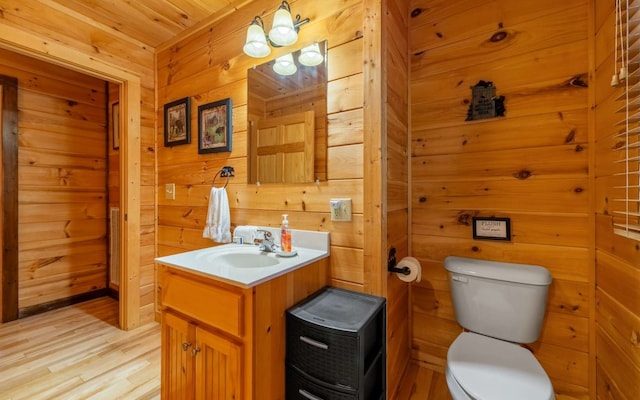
502	300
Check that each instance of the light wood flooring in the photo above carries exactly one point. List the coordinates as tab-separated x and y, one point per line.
78	352
422	383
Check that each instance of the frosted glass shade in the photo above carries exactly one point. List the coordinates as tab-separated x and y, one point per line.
282	32
256	44
310	55
285	66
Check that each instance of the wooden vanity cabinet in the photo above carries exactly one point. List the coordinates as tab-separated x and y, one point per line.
221	341
198	363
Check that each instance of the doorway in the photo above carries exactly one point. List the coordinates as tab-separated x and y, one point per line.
60	221
130	142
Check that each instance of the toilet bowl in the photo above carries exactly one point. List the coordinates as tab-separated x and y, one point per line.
501	305
484	368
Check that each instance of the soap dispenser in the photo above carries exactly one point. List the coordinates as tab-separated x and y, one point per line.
285	235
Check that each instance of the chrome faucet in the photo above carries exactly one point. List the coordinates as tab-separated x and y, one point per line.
266	243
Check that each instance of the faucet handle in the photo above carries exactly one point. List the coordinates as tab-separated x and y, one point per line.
266	236
265	233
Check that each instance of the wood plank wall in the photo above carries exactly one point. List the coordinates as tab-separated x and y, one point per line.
530	166
113	165
62	181
208	66
396	100
105	44
617	258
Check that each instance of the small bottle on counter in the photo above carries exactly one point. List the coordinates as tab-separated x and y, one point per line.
285	235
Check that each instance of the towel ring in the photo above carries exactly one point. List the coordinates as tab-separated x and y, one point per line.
225	172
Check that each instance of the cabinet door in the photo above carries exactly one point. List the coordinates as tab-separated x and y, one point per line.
177	358
218	367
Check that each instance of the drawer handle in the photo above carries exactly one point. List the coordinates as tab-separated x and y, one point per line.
308	395
314	343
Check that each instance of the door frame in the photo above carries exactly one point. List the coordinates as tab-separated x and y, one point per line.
19	41
9	198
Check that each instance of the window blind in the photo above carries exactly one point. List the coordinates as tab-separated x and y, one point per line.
626	193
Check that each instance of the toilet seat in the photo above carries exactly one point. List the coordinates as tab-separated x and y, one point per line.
492	369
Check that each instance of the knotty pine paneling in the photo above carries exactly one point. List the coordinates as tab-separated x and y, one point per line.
530	166
62	181
44	23
113	169
396	184
617	314
209	65
181	69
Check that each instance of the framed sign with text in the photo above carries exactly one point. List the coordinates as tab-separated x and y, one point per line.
492	228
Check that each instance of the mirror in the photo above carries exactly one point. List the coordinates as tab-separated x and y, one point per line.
287	120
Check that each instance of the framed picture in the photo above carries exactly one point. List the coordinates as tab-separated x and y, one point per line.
115	124
214	127
177	127
492	228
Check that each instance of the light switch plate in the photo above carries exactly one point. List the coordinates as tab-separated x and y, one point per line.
340	209
170	191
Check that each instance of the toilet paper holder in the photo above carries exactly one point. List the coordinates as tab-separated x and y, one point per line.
392	262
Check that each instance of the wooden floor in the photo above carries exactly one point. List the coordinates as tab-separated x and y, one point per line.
422	383
78	352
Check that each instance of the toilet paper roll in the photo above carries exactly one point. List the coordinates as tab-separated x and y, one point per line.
415	269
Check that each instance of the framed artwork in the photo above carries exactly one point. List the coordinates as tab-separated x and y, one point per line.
492	228
214	127
177	129
115	124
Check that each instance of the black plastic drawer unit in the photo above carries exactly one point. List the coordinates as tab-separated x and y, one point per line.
336	347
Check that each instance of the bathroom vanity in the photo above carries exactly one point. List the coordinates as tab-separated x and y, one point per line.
225	338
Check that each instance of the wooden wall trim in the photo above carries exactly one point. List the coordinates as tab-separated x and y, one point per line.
52	305
23	42
9	109
130	144
591	129
374	160
26	43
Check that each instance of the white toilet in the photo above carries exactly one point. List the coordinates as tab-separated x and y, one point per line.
501	304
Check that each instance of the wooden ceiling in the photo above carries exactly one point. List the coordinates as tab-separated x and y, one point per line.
151	22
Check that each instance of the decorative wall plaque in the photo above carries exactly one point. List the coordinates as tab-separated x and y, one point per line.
492	228
484	102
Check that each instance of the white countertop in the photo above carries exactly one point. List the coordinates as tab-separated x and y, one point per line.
209	263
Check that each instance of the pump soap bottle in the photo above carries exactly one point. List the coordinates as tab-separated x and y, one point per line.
285	235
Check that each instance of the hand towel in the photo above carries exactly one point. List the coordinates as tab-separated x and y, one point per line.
218	225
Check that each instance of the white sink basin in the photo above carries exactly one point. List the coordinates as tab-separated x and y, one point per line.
245	265
248	257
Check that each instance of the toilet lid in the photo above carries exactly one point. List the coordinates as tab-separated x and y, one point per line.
488	368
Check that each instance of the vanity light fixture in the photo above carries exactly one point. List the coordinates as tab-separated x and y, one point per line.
284	32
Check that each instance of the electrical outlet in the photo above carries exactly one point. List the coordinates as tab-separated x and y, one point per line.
340	209
170	191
